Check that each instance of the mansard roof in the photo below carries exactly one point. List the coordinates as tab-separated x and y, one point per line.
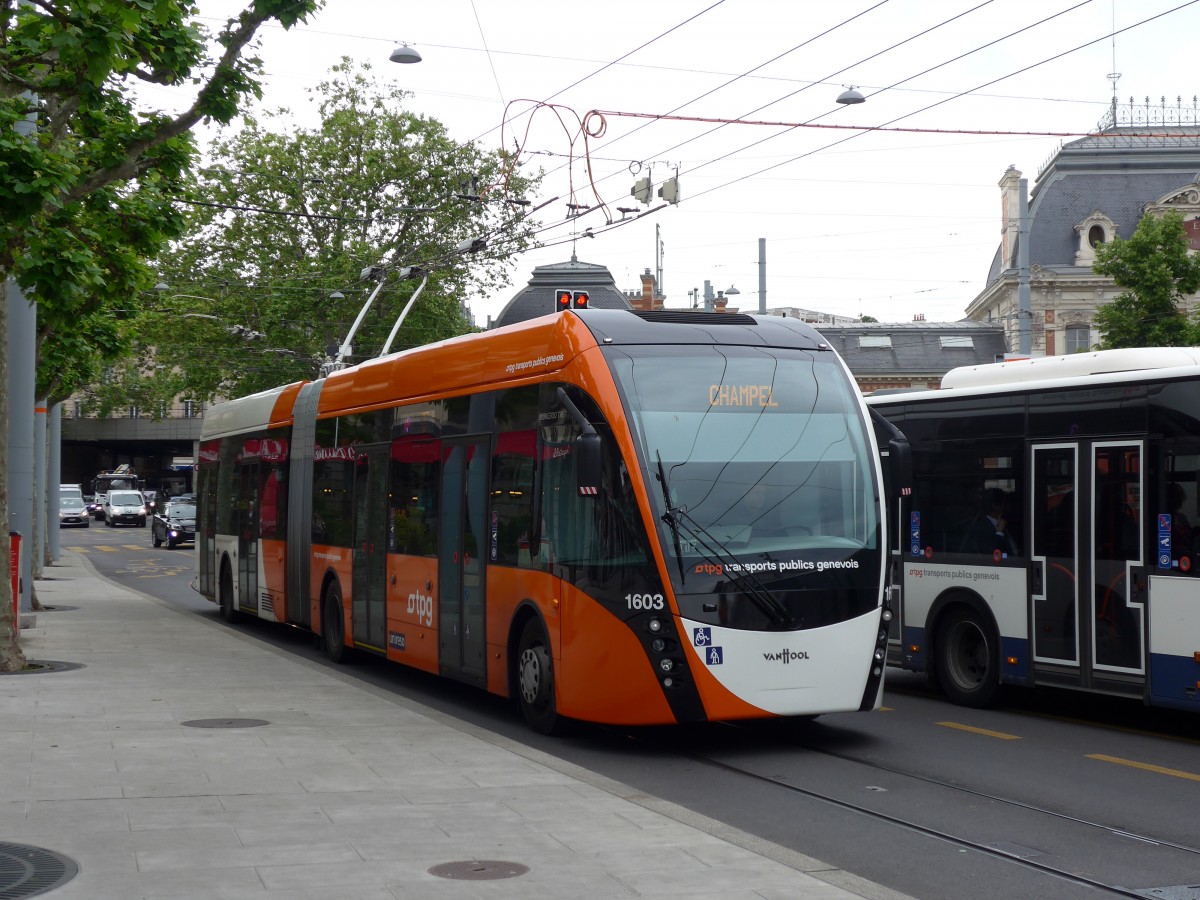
1117	171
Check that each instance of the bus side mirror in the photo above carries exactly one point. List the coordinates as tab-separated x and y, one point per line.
588	464
900	465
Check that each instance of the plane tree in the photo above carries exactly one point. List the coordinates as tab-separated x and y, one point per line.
87	174
291	229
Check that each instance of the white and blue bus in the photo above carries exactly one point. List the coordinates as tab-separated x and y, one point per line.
1054	527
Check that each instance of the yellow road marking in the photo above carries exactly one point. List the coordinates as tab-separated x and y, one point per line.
1133	764
984	731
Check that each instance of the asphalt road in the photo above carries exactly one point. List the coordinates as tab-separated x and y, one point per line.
1049	794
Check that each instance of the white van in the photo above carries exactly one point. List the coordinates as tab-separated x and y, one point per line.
125	507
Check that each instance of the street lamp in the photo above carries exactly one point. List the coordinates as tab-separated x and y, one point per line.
850	96
405	54
245	333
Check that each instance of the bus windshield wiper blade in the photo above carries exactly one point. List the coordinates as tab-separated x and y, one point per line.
670	516
748	583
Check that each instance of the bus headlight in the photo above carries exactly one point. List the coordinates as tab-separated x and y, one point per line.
667	665
655	626
659	645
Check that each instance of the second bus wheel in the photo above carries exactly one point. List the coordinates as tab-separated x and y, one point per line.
333	628
968	658
535	679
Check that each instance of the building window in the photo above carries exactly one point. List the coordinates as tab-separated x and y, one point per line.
1079	338
78	409
874	340
189	409
957	342
133	412
1096	235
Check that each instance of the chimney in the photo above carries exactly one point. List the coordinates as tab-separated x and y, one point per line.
720	302
1010	216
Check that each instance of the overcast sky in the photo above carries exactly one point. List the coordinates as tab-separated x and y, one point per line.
889	224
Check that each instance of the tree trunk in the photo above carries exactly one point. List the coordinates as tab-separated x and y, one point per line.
12	659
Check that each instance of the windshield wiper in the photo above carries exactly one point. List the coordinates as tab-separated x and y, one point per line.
669	516
717	553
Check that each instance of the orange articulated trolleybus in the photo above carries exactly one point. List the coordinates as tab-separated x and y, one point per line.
618	517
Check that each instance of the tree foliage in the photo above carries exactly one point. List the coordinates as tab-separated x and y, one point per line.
87	179
1157	274
284	222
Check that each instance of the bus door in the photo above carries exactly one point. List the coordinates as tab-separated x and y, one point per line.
463	542
246	491
1118	594
369	581
1054	562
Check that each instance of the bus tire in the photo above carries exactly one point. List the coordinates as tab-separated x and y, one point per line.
968	658
535	680
333	628
229	611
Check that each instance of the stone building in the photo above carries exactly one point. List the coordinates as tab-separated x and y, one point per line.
1142	160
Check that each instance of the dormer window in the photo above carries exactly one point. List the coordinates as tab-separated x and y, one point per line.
1093	231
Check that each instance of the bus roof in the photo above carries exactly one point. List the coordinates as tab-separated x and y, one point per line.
534	347
1049	372
542	346
270	407
1075	365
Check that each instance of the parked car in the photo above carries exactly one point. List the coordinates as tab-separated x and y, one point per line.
73	511
125	508
173	524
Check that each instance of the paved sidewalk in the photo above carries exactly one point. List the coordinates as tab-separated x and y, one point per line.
349	792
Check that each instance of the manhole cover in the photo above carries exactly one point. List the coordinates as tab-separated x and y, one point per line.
479	870
42	666
28	871
225	723
1173	892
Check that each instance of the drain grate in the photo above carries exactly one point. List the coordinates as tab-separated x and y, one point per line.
28	871
479	870
42	666
225	723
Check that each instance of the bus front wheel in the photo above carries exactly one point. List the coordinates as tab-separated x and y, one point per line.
535	679
334	630
968	659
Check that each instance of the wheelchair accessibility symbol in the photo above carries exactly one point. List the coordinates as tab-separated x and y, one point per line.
702	637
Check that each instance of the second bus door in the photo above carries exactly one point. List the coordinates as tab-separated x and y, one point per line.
1086	585
463	542
369	603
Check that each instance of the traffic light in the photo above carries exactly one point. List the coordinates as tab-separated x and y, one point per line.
670	190
641	190
565	299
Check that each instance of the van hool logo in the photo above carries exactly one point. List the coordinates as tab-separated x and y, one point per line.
786	656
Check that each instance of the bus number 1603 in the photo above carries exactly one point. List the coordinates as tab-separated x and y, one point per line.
644	601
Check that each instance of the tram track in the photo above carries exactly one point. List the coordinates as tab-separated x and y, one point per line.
912	825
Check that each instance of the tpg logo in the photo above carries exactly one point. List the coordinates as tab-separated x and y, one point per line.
422	606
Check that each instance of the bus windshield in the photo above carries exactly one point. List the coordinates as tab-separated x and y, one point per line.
764	450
